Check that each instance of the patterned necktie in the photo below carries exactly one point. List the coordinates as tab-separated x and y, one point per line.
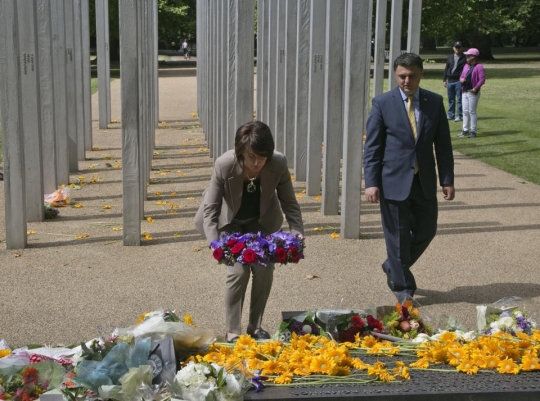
412	121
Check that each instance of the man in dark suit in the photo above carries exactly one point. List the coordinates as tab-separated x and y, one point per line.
404	128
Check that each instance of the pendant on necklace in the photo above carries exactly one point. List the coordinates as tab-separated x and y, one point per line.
251	187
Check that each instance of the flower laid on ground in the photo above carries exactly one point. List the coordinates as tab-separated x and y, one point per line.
300	325
209	381
510	321
29	383
50	212
250	248
344	328
405	322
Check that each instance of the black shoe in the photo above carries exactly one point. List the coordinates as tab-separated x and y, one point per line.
261	334
472	134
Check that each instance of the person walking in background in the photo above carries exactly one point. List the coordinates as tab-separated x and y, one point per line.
185	49
403	129
472	78
249	191
452	72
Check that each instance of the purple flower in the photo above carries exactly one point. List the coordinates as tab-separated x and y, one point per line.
257	381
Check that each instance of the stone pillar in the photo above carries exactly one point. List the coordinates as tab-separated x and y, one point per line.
414	27
131	109
302	89
60	90
47	96
244	66
262	107
11	117
333	105
155	18
289	118
261	55
231	71
272	70
380	44
79	80
72	127
317	68
395	40
279	60
87	80
356	96
103	62
31	110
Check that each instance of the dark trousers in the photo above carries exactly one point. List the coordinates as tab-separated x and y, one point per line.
409	226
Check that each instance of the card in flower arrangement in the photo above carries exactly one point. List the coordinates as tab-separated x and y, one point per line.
256	248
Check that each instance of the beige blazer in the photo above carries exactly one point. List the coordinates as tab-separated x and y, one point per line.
223	197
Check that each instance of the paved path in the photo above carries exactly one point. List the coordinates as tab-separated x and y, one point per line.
61	290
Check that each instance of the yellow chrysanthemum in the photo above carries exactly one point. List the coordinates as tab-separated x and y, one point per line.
405	373
527	364
369	342
467	366
188	319
4	352
358	364
285	378
302	370
447	337
296	357
456	355
214	357
321	364
479	360
420	364
508	366
271	367
271	348
492	362
336	354
338	370
244	341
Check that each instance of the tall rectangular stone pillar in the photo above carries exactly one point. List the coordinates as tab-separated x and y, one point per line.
333	105
60	90
11	118
231	70
272	65
31	110
280	42
317	67
395	39
302	89
356	99
131	105
47	96
87	80
70	88
290	80
79	80
244	66
379	48
103	63
415	26
261	35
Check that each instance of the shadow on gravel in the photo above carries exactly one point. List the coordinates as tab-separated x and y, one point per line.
482	294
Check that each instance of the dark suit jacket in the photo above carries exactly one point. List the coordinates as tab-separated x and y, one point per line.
390	150
223	197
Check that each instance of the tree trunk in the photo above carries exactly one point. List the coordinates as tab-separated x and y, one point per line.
483	44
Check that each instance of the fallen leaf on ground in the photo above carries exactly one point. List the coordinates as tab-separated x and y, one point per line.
312	276
334	235
82	236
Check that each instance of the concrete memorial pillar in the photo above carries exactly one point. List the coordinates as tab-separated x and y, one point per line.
79	80
72	127
87	80
356	99
379	47
225	78
317	68
272	65
333	105
47	96
264	50
103	62
395	39
60	90
302	89
261	56
31	109
279	60
414	27
244	79
289	117
12	128
231	64
131	111
155	18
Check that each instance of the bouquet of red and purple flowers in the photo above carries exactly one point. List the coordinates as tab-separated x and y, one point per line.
250	248
344	327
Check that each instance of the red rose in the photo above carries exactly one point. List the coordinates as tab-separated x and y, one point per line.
218	253
373	323
295	254
231	242
249	256
281	255
357	321
237	248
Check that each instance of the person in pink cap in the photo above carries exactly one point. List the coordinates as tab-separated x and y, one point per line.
472	78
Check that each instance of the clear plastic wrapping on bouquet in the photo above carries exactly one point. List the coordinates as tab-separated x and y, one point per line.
509	315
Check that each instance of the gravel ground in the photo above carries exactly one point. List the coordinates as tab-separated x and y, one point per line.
62	290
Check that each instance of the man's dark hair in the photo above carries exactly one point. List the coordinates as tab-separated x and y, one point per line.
257	136
409	60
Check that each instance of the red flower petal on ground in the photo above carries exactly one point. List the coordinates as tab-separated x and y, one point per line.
218	253
238	248
249	256
281	255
